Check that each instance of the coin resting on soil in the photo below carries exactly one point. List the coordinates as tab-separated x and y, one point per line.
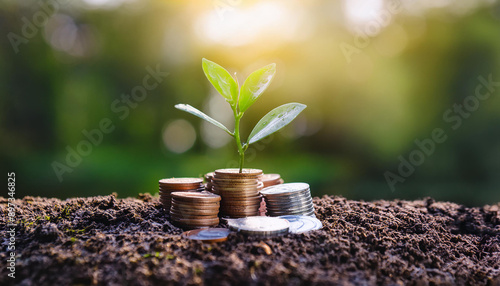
208	234
259	225
301	224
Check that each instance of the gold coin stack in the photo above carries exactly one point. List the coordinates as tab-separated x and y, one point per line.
271	180
192	210
208	182
168	186
268	180
239	191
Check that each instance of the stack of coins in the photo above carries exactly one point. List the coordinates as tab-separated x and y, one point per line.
168	186
269	180
192	210
288	199
260	226
239	191
208	182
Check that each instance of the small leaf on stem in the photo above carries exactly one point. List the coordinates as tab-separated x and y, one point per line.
222	80
189	109
275	120
255	85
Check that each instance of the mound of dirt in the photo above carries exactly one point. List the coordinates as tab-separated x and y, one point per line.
110	241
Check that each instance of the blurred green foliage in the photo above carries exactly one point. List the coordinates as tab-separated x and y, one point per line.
364	110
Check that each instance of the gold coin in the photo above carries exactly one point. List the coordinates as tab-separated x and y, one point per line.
181	181
209	176
213	206
232	183
270	178
236	187
197	222
242	200
236	173
177	215
193	215
236	213
186	188
196	196
239	209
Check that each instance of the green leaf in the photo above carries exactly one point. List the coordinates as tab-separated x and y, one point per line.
255	85
275	120
189	109
223	82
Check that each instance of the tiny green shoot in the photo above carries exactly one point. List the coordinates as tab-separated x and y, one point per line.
240	99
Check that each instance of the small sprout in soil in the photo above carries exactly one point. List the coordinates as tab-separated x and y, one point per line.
156	254
66	211
169	257
75	231
240	99
73	239
198	271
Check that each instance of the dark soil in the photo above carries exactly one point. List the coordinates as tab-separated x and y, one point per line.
109	241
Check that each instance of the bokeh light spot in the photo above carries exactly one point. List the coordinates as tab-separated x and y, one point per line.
179	136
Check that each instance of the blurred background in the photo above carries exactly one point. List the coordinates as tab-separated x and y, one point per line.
376	76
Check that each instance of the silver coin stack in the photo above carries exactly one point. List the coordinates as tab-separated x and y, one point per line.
288	199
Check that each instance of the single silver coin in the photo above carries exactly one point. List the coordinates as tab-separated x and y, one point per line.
278	213
259	225
288	199
289	207
281	196
308	213
293	212
285	188
301	224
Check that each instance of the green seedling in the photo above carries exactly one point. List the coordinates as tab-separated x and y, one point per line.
240	99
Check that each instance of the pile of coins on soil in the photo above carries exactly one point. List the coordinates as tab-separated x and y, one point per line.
288	199
261	226
168	186
239	191
195	209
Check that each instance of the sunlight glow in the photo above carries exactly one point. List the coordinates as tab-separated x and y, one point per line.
241	26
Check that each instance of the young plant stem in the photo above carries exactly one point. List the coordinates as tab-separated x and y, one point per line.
241	151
